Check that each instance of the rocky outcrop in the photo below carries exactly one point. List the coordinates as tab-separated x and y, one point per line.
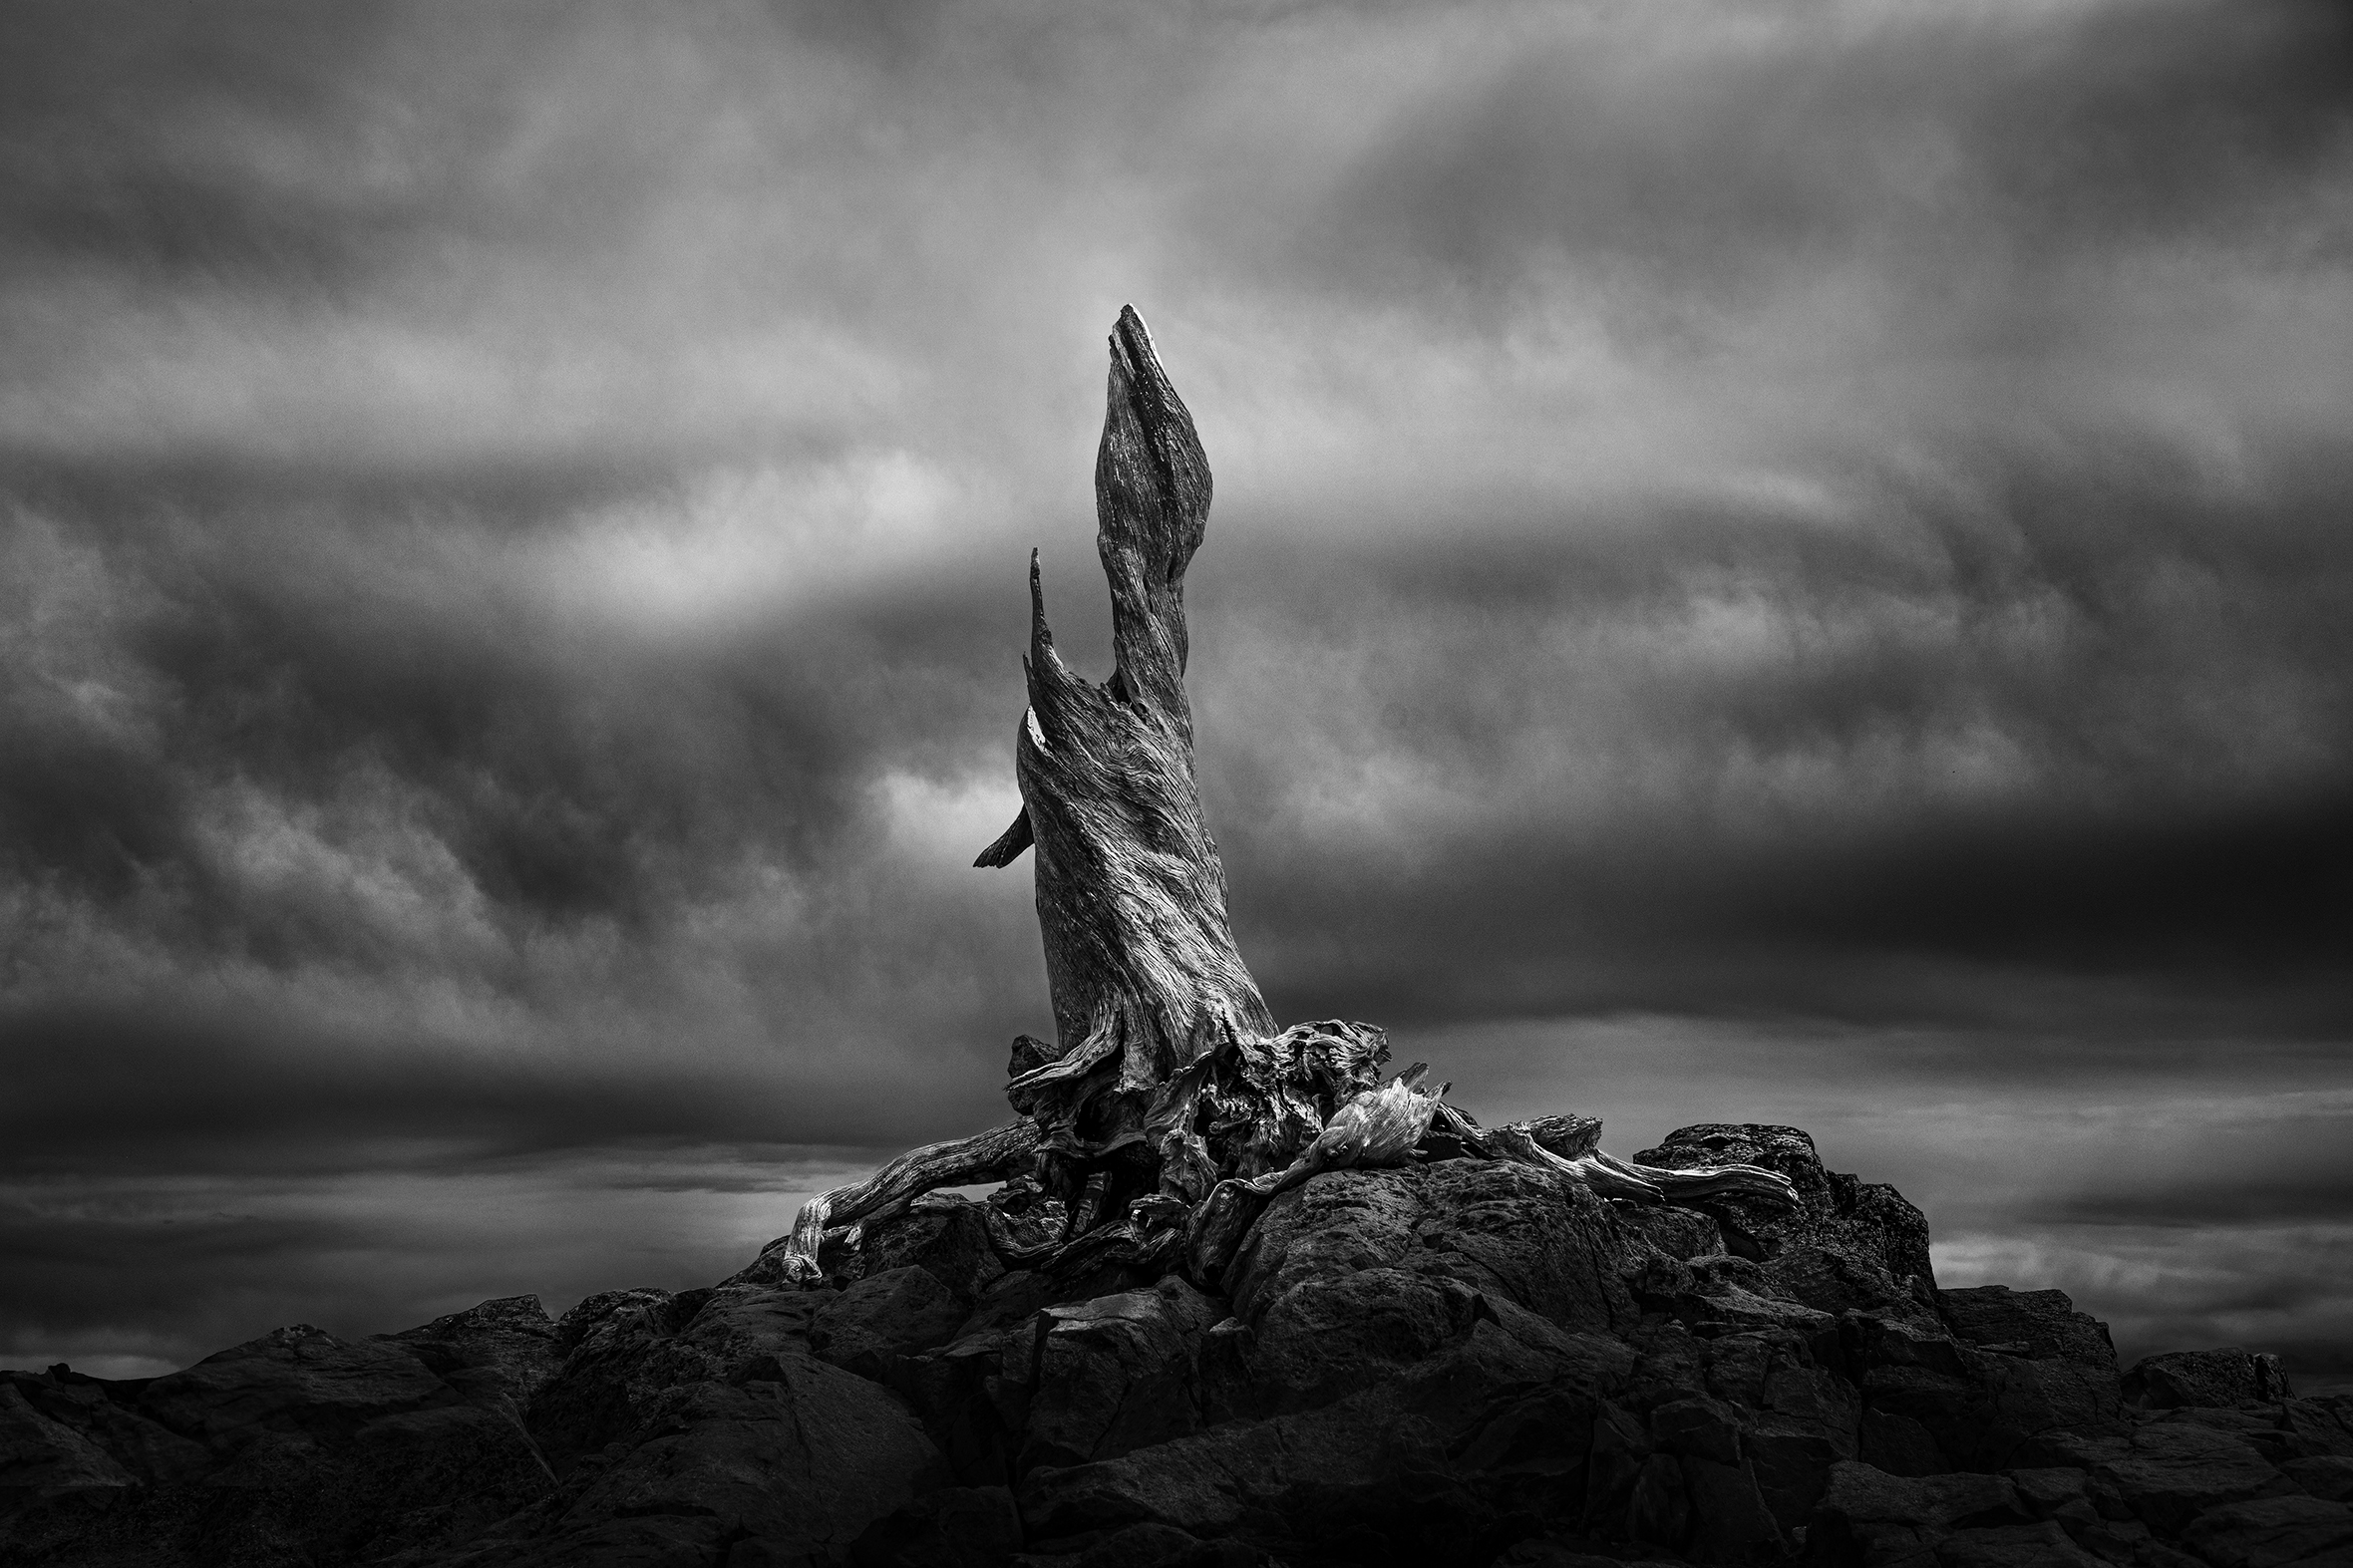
1457	1362
2206	1379
295	1447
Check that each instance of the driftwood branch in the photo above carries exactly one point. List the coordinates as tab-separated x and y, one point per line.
1010	843
957	1162
1376	1128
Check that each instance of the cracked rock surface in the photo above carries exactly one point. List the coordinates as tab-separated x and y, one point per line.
1458	1361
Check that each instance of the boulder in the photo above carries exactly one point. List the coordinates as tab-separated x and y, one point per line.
509	1342
609	1345
2262	1428
444	1473
1698	1492
1834	1281
1113	1374
1445	1463
43	1458
2272	1532
624	1350
2043	1545
1868	1517
803	1461
1331	1336
296	1381
2227	1376
2021	1397
1869	1225
297	1443
1970	1382
942	1234
2326	1476
698	1427
950	1527
1537	1238
1012	1297
1719	1307
2322	1424
2164	1473
972	1397
737	1326
1677	1231
885	1315
103	1412
2027	1323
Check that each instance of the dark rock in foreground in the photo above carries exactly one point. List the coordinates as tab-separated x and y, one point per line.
1453	1363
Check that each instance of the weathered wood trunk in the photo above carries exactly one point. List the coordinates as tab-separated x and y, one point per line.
1168	1110
1145	979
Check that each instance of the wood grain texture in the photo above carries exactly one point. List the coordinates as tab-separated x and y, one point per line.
1141	962
828	1217
1168	1109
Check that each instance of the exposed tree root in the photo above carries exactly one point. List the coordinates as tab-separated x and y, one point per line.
832	1217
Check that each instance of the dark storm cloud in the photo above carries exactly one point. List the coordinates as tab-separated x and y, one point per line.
564	782
1728	152
1806	542
2099	734
319	838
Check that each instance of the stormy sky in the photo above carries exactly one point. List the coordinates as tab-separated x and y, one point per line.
1780	561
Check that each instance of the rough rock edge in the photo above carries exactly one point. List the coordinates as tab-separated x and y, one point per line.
1455	1362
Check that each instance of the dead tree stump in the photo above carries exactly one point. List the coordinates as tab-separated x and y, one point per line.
1145	979
1168	1109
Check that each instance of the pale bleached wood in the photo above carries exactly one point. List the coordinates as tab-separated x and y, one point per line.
1375	1128
1145	977
989	1155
